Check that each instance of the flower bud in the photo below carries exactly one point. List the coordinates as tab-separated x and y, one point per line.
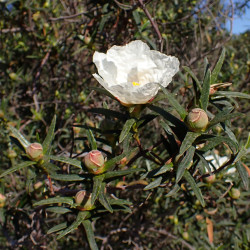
35	151
210	179
94	162
235	193
2	200
197	120
185	235
84	201
11	154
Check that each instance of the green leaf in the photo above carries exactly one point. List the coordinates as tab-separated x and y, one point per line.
103	91
96	187
205	90
109	164
159	171
185	163
91	139
190	72
233	94
221	117
112	174
154	184
242	152
17	167
66	200
243	174
218	66
49	137
204	161
90	234
109	113
119	202
57	228
180	127
19	137
173	191
103	199
126	129
214	141
171	99
66	177
187	142
66	160
58	210
194	187
79	219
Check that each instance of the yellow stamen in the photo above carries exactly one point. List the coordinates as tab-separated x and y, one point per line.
136	83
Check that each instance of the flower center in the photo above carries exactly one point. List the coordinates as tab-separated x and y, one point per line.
136	83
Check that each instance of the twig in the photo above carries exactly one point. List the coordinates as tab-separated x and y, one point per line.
154	24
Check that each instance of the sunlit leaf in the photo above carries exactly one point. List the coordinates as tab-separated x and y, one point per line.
154	184
96	187
19	137
243	174
218	66
205	90
66	160
57	228
58	210
103	198
126	129
91	139
66	200
90	234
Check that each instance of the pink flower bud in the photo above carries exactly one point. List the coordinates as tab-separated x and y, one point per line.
83	200
197	120
94	162
210	179
35	151
2	200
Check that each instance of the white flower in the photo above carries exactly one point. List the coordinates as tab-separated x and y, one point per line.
217	161
131	72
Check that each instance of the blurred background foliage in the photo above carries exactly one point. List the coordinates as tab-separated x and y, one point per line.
46	68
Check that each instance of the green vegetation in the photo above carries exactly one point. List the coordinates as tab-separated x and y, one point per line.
162	183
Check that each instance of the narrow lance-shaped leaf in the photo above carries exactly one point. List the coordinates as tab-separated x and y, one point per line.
187	142
90	234
126	128
218	66
154	184
58	210
49	137
113	174
185	163
57	228
171	99
80	218
233	94
91	139
190	72
17	167
96	187
66	200
66	160
67	177
243	174
194	187
205	90
103	199
19	137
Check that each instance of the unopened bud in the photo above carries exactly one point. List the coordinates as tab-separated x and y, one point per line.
11	153
35	151
210	179
83	200
94	162
197	120
185	235
235	193
2	200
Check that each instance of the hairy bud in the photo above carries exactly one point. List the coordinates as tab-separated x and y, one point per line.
83	200
35	151
210	179
94	162
197	120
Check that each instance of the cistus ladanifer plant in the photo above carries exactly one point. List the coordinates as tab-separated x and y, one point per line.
174	157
